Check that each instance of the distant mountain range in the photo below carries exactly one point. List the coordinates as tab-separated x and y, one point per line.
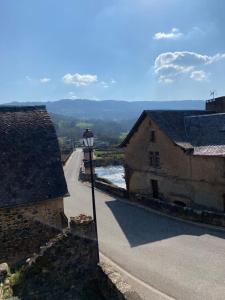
111	109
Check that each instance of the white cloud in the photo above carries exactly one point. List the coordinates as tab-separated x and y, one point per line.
174	34
45	80
104	84
216	58
198	75
170	65
73	96
107	84
79	80
166	80
28	78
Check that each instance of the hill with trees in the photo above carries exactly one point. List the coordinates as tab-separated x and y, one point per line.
111	109
110	120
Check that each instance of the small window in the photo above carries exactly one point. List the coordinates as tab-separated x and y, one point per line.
151	158
152	136
154	159
157	160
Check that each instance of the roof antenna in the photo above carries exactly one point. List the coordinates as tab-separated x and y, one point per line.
212	93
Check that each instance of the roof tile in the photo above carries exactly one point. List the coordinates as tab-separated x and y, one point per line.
30	164
200	131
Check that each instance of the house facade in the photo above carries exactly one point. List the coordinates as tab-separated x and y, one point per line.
178	156
32	183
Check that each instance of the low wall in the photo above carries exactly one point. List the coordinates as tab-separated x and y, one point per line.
23	229
85	177
65	157
17	245
104	185
188	213
112	189
66	268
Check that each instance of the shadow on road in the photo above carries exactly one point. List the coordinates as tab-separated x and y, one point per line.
143	227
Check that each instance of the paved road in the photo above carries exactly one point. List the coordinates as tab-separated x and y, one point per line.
180	259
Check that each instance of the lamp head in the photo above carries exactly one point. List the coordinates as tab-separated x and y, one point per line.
88	138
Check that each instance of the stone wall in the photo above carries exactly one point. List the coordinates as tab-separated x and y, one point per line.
64	268
24	228
181	177
65	155
85	176
67	268
188	213
112	189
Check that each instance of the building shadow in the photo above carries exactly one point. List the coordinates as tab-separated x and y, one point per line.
142	227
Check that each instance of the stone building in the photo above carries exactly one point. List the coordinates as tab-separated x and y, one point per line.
178	156
32	183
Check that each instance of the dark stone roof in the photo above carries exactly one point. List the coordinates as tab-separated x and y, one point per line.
30	162
201	132
206	134
172	123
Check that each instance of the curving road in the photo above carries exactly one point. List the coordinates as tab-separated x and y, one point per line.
169	258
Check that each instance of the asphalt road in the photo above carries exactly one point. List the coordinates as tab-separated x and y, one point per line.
173	258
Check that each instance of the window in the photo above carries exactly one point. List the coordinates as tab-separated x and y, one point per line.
152	136
151	159
157	160
154	159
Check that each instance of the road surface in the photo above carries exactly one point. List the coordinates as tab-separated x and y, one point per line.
174	259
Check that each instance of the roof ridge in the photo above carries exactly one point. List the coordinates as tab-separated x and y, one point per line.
206	115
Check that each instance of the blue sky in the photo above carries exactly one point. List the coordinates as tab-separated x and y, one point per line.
111	49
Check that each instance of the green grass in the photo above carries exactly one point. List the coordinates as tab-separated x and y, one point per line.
84	125
13	280
116	155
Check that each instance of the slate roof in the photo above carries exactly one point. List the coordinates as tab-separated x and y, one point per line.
202	132
206	134
30	162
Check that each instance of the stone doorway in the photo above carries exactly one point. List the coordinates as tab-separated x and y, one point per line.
155	188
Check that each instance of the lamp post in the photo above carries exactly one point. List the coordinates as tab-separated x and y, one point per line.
88	141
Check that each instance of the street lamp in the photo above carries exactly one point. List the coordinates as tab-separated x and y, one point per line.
88	141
